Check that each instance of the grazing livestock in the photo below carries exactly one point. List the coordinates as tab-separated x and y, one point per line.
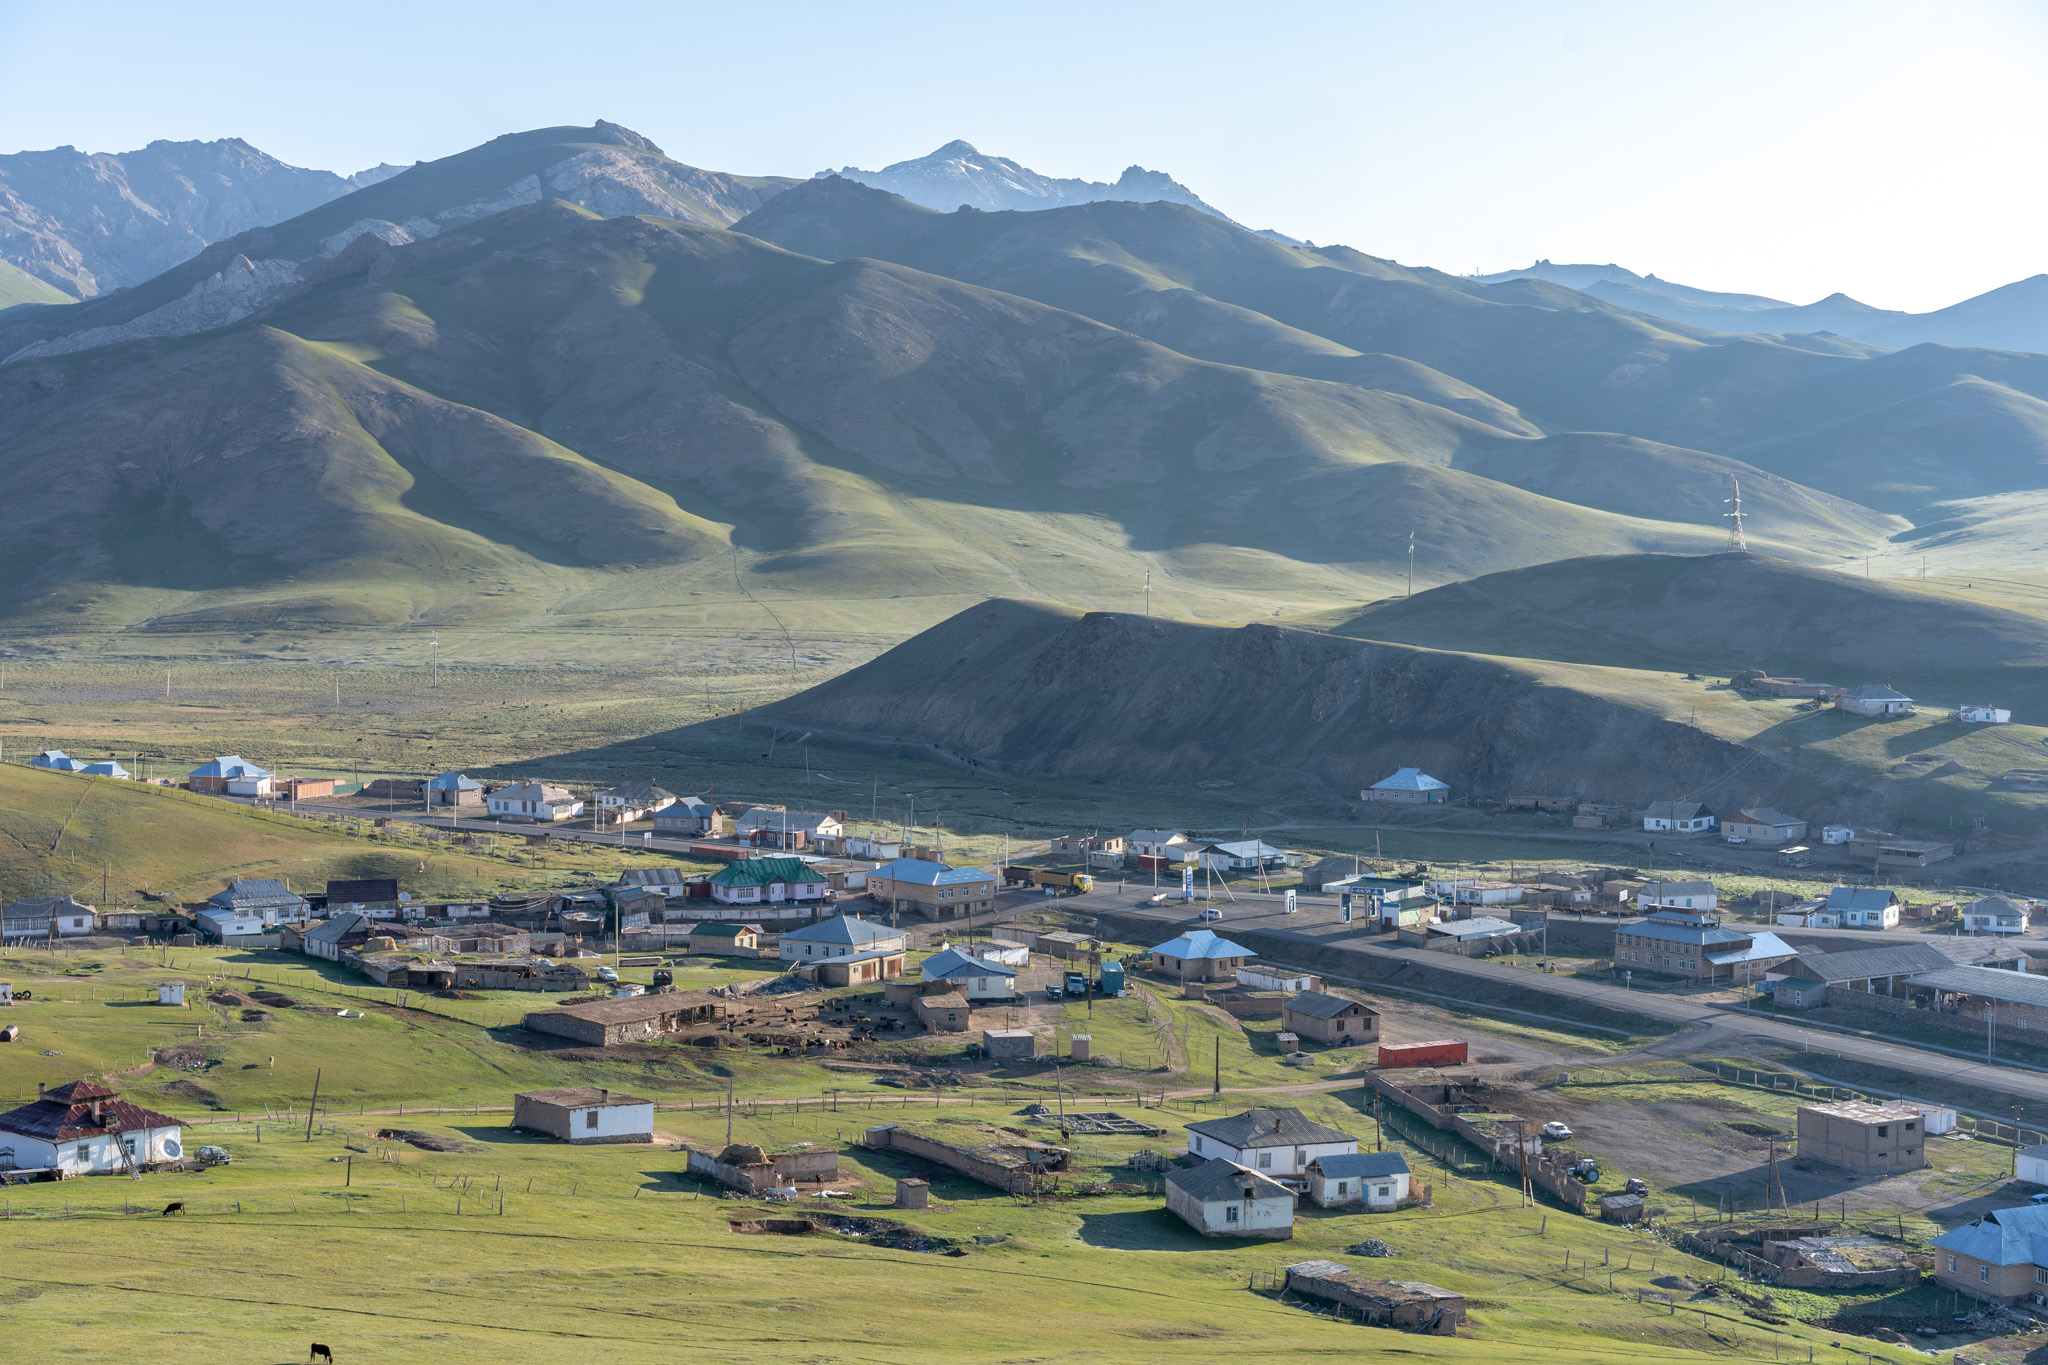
319	1351
176	1206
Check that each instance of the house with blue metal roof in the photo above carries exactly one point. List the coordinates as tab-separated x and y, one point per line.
1865	907
454	789
266	898
976	978
57	761
1697	946
232	775
1410	786
932	889
2001	1258
105	767
840	936
1373	1180
1201	955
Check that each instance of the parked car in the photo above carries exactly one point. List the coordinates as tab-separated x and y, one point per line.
1212	912
607	974
1052	993
1557	1130
1737	839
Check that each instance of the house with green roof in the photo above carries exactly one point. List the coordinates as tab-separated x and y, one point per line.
759	881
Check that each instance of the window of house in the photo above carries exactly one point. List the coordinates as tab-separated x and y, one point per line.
1884	1130
590	1118
1265	1161
1198	1144
1230	1213
1301	1156
1983	1274
1343	1188
2040	1275
1951	1265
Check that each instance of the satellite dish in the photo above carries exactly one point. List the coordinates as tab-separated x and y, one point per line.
404	896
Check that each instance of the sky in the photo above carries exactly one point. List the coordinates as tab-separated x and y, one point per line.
1886	151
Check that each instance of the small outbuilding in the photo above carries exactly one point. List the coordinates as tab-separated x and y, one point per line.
1373	1180
1220	1198
585	1115
1874	700
1405	1305
1330	1019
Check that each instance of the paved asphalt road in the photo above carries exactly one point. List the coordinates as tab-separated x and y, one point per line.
1708	1027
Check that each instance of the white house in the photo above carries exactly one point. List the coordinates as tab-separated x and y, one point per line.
1837	834
1276	979
1984	715
1410	786
630	800
1678	817
584	1115
1246	855
1865	907
839	937
2033	1164
1997	915
1376	1180
267	898
222	924
1874	699
976	978
1678	896
86	1129
1273	1142
1157	843
754	881
1220	1198
1809	915
46	917
531	801
787	828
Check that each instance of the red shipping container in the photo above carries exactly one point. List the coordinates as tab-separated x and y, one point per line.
1442	1052
1148	862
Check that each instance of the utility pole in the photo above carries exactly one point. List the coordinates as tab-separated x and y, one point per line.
314	1107
1736	544
1148	592
1216	1086
437	661
1411	560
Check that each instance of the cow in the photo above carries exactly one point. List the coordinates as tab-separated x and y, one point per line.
177	1206
320	1350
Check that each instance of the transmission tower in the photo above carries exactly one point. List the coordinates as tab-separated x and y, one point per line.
1736	544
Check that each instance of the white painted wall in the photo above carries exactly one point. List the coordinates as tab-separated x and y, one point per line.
95	1155
1279	1160
612	1121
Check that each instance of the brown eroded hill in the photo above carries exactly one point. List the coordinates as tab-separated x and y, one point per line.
1038	689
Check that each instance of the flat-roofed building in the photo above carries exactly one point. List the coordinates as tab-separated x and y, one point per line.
1866	1138
585	1114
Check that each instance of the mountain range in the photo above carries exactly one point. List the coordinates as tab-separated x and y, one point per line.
90	223
563	374
957	174
2012	317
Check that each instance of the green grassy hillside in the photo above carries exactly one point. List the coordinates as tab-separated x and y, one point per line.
18	287
60	833
1722	613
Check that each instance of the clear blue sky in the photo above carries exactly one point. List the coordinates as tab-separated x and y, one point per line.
1793	149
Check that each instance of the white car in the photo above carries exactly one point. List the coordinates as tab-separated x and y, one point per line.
607	974
1212	913
1737	839
1557	1130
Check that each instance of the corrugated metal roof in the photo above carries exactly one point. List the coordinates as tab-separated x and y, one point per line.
845	930
1859	898
230	765
951	962
457	782
1201	944
919	872
1992	983
1899	959
1764	815
1410	780
764	872
1363	1165
1218	1180
1319	1005
1269	1128
2003	1236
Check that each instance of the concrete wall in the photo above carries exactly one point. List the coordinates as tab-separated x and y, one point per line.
1982	1280
615	1122
952	1158
1361	1027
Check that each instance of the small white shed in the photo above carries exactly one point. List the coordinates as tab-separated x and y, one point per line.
584	1115
2033	1165
170	993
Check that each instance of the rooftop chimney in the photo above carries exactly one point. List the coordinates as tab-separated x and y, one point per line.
603	1094
40	1088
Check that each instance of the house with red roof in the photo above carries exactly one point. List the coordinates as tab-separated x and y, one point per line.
85	1129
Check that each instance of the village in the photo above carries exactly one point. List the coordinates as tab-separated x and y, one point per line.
1067	990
